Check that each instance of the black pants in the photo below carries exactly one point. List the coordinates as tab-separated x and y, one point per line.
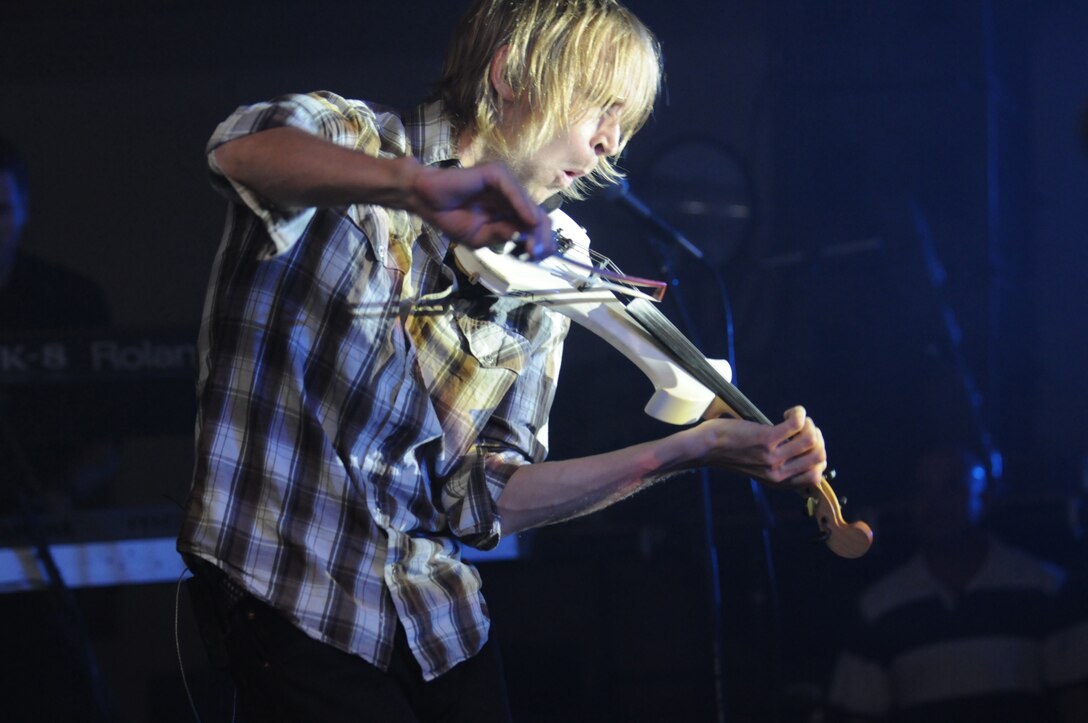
282	674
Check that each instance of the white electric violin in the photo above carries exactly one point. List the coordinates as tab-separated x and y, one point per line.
615	308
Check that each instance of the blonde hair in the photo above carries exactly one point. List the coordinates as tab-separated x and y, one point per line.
565	58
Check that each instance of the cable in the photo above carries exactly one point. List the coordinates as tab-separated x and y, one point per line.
181	663
177	645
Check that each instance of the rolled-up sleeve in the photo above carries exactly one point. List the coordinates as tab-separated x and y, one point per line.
515	434
351	124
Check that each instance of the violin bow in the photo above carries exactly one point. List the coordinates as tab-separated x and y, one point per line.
578	278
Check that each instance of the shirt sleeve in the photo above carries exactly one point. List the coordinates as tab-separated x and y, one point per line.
1065	650
348	123
514	435
859	687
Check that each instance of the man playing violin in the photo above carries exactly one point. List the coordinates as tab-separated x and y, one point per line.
348	447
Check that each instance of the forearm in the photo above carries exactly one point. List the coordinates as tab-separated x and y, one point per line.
791	453
548	492
293	168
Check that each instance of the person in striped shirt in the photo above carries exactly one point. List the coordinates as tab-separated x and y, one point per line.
969	628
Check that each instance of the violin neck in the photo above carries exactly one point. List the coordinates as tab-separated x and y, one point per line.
688	356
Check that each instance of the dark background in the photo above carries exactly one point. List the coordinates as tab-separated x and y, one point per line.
828	156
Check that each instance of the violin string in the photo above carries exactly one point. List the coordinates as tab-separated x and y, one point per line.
596	259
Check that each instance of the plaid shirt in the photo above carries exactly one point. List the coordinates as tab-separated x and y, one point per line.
346	447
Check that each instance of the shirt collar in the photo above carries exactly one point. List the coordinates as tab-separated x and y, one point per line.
430	134
431	137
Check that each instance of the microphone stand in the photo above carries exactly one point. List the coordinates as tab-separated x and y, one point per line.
712	567
937	276
661	232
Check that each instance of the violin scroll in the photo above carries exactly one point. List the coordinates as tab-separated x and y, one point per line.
850	540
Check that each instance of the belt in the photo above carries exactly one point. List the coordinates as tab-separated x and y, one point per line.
230	592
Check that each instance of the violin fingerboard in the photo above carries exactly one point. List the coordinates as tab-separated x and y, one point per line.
691	359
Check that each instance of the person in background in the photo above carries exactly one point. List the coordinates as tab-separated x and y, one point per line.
970	628
57	455
56	426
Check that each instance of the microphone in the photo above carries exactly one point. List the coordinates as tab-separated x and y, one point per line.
621	193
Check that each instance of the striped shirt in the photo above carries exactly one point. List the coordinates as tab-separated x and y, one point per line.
346	447
991	652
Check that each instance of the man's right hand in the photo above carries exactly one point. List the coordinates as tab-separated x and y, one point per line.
481	206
